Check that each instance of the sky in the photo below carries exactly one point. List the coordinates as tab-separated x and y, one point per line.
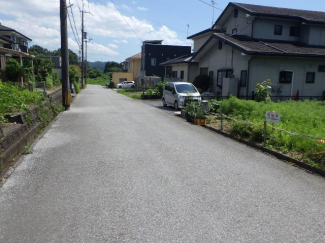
118	27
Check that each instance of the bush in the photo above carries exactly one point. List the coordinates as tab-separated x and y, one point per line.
159	89
263	91
49	82
76	86
56	79
13	70
202	82
195	110
14	99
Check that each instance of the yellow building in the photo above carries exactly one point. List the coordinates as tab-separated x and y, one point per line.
121	77
133	65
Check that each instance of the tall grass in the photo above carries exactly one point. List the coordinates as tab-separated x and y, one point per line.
301	117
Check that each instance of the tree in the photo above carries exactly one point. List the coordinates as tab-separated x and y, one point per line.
94	73
42	68
202	82
109	65
37	50
115	70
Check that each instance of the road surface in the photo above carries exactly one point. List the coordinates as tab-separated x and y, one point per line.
113	169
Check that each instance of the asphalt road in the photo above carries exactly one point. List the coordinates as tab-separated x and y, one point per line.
113	169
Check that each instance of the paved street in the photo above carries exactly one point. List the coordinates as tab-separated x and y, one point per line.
113	169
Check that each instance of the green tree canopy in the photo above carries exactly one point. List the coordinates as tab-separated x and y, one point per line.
117	67
94	72
38	51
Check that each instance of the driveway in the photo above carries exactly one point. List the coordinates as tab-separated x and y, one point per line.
113	169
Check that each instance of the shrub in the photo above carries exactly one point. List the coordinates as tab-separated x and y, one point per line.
56	79
202	82
195	110
160	88
263	91
13	70
49	82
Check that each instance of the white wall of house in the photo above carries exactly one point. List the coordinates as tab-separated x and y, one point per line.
242	23
263	68
316	35
264	29
181	67
226	58
200	40
192	71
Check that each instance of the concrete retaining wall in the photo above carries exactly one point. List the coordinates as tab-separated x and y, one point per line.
28	126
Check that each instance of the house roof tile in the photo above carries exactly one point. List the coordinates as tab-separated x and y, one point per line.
183	59
5	28
136	56
267	47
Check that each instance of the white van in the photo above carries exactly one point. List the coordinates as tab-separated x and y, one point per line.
175	94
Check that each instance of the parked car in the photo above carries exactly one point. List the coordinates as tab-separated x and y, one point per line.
177	93
125	85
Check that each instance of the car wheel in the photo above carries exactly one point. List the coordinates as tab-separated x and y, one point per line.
164	102
176	105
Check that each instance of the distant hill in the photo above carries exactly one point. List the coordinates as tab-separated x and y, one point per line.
100	65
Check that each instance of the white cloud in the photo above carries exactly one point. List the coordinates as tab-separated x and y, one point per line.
134	2
112	46
39	20
142	8
126	7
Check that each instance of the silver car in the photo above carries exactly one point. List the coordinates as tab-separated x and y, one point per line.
177	93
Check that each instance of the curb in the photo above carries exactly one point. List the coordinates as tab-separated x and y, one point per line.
268	151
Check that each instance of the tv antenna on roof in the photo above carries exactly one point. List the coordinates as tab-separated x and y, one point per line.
213	3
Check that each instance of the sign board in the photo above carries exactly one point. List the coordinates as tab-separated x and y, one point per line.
272	117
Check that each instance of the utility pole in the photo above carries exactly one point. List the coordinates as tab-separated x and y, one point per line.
66	94
86	41
82	51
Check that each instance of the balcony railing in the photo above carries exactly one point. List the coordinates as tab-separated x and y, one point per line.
16	47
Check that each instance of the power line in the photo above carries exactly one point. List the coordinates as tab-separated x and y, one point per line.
126	21
75	26
211	5
73	29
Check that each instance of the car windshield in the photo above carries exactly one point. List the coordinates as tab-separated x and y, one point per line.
185	88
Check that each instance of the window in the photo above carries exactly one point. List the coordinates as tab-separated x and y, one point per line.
310	77
182	74
278	29
211	77
225	73
234	31
321	68
236	13
285	77
153	61
174	74
220	45
243	78
295	31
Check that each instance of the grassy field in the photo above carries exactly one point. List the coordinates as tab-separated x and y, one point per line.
103	80
133	95
14	99
297	117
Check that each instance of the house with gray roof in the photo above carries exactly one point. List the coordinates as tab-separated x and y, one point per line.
12	44
250	43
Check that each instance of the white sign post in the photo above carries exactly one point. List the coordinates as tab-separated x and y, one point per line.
270	117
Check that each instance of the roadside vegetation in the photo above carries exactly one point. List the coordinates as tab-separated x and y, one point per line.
133	95
300	134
